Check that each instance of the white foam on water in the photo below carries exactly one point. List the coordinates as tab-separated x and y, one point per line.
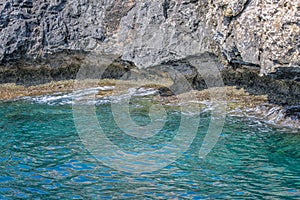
61	98
88	96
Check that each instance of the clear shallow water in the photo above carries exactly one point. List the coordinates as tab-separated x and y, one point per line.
42	156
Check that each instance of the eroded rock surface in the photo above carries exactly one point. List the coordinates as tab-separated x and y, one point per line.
245	32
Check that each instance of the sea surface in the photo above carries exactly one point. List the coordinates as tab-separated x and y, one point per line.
43	155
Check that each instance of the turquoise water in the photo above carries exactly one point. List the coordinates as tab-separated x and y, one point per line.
42	156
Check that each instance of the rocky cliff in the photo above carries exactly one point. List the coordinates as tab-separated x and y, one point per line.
259	35
248	32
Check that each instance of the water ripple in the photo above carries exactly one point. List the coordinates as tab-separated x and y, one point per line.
42	157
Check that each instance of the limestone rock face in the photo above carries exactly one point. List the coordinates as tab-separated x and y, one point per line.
263	33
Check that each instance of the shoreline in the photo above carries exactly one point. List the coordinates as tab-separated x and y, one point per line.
239	102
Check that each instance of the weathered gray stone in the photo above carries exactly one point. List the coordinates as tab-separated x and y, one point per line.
246	32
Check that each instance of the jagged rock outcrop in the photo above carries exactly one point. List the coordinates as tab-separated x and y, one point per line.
258	33
45	40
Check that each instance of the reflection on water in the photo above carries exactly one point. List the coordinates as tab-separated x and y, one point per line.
42	156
